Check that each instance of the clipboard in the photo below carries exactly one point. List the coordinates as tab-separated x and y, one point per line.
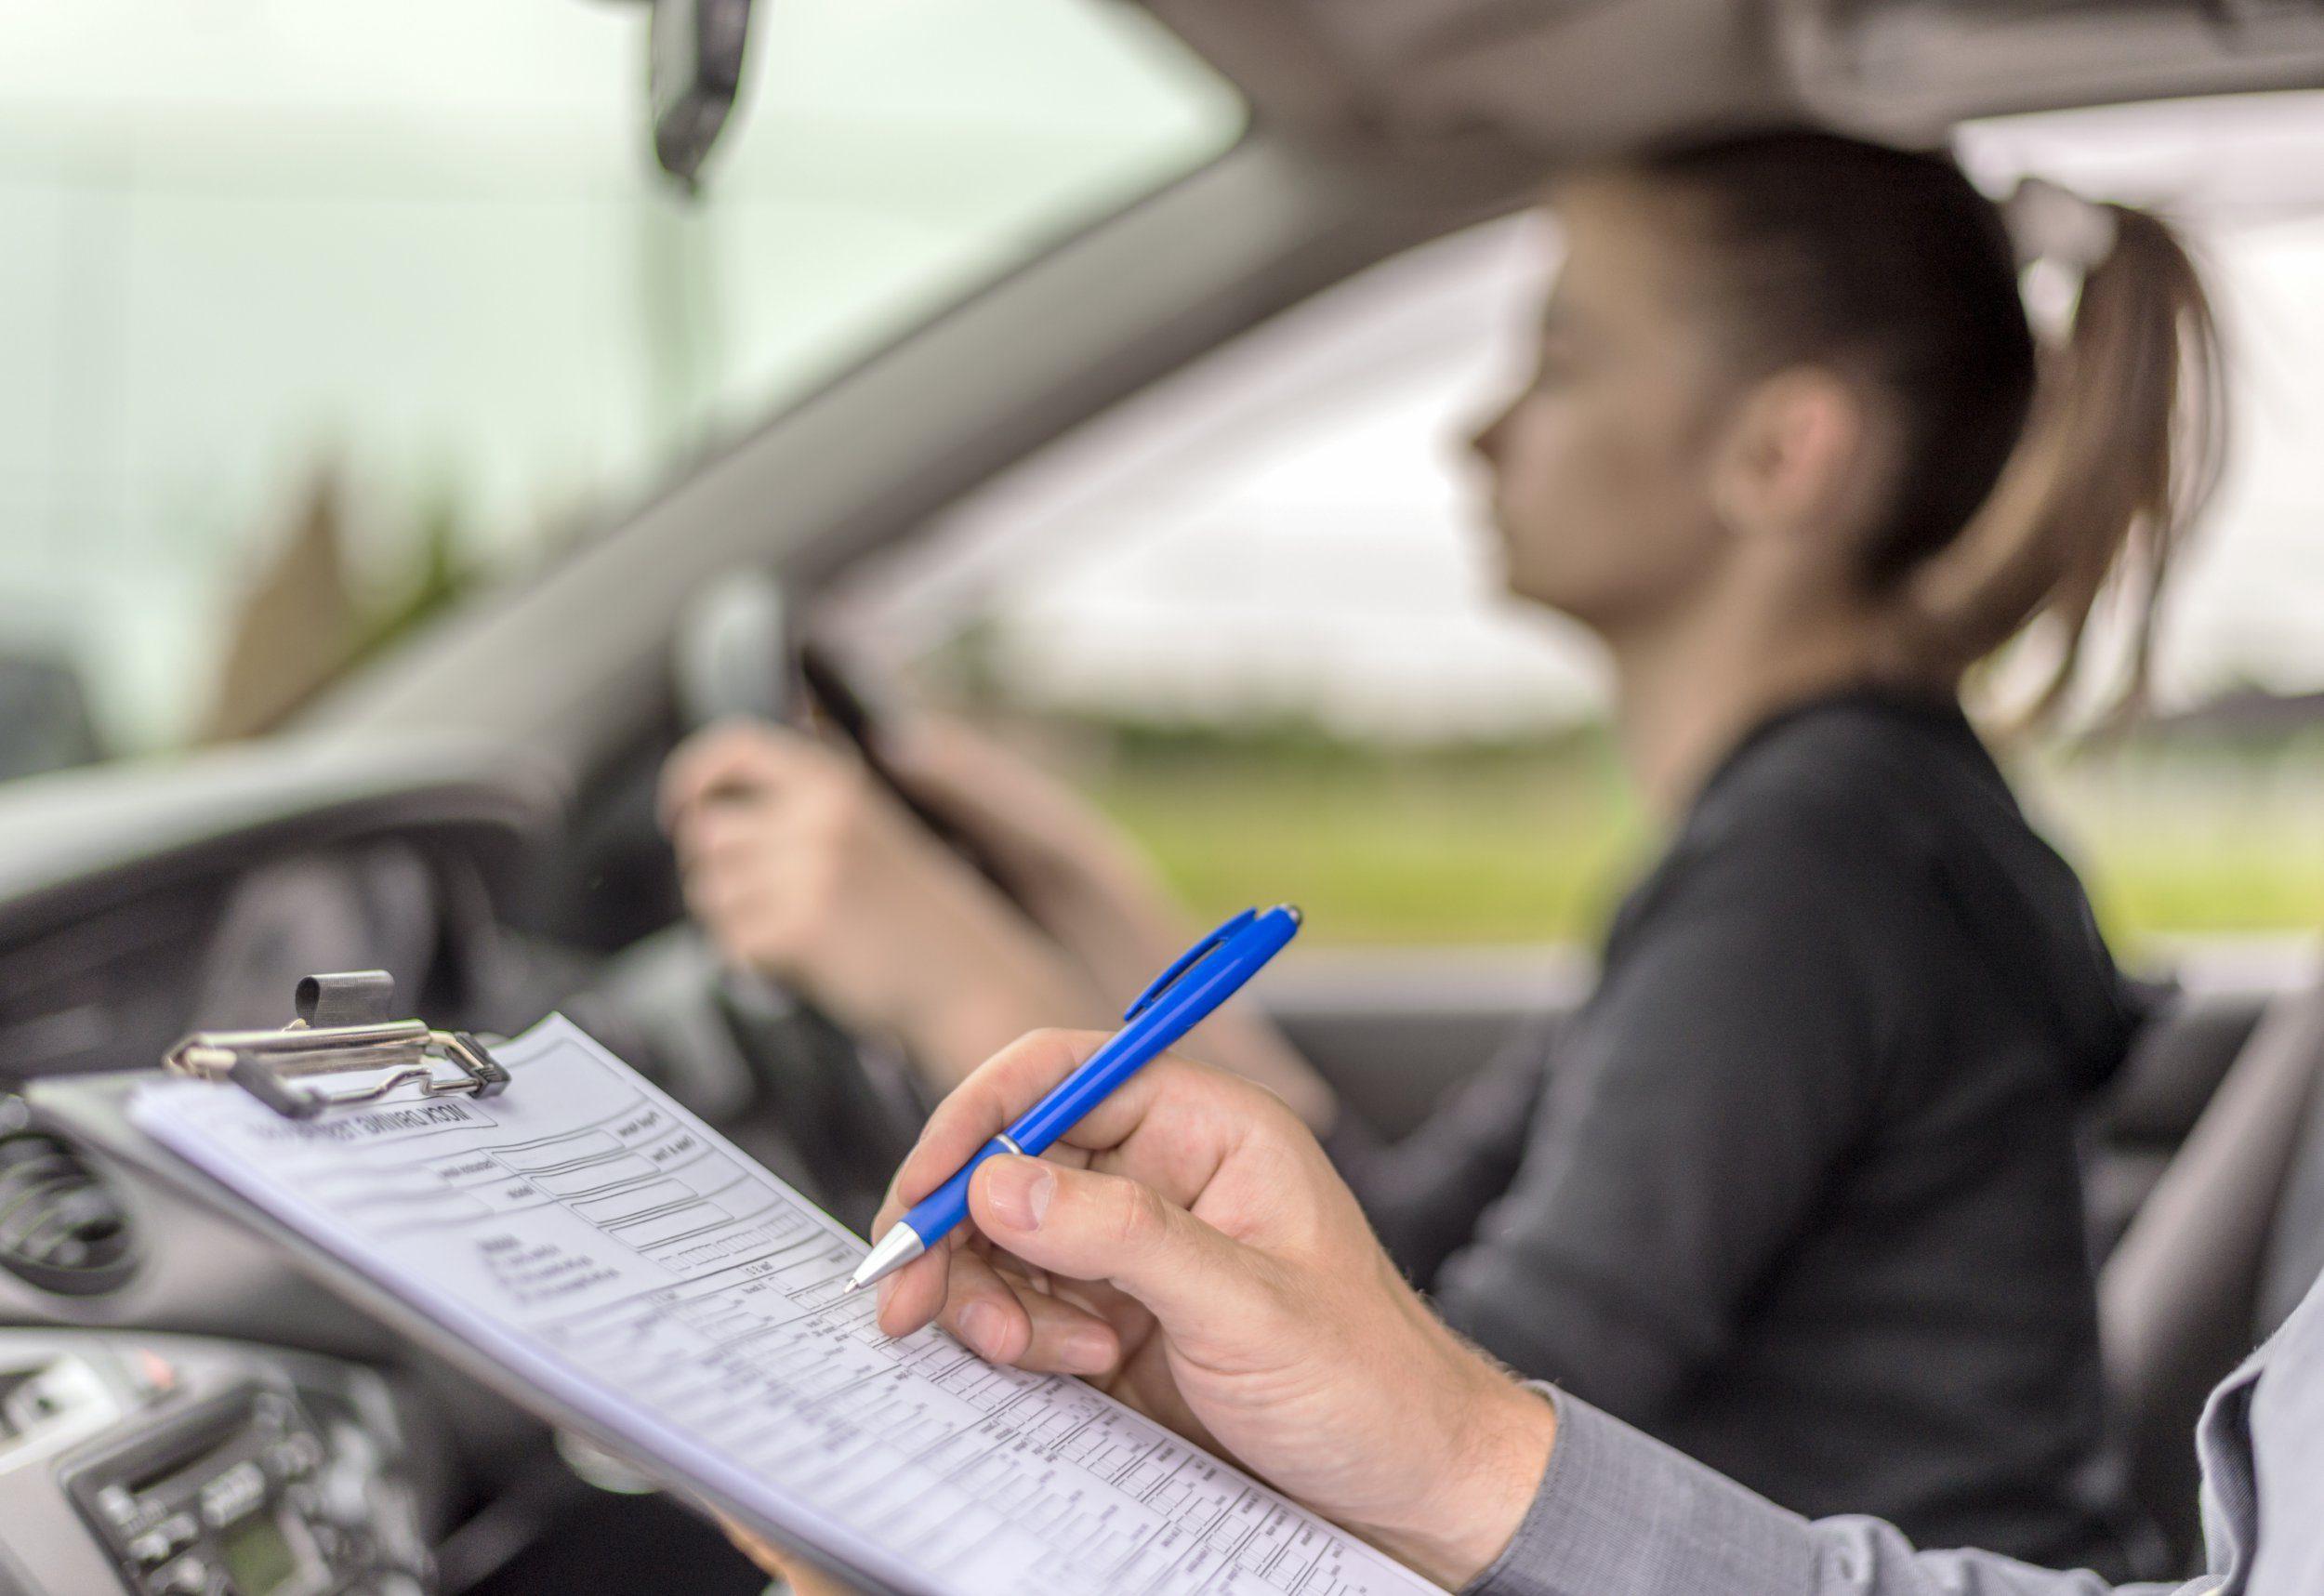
342	1028
1008	1475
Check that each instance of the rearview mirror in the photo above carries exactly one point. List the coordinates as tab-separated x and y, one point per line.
693	71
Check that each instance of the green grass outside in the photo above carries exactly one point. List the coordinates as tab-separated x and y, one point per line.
1528	845
2199	847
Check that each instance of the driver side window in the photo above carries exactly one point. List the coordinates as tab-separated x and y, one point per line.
1256	613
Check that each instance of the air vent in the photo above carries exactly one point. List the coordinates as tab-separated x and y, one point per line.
63	1228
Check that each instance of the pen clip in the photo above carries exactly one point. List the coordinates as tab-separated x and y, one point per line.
1186	961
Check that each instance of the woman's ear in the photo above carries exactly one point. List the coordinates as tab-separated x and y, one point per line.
1795	464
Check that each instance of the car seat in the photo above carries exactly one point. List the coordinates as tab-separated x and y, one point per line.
2295	1248
2181	1299
2181	1052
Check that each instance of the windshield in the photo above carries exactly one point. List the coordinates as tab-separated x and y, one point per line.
314	315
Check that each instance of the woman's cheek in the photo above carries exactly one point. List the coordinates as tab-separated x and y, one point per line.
1556	492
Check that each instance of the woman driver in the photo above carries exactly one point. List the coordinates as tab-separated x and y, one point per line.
1796	1189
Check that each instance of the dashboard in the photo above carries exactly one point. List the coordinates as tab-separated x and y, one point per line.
296	1447
137	900
170	1466
181	1415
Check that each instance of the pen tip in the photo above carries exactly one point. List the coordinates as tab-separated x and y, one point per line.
853	1285
898	1247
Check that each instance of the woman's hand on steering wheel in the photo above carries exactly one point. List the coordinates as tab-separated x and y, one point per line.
798	864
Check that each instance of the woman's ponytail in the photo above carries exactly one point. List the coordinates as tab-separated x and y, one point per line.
2039	478
2122	448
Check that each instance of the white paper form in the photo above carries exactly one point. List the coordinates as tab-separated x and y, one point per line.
604	1245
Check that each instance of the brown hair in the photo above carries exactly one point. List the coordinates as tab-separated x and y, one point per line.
2032	479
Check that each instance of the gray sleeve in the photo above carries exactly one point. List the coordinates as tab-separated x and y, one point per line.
1620	1514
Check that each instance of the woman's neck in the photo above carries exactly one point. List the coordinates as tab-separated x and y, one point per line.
1687	693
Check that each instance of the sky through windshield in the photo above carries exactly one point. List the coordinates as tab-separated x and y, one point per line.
395	277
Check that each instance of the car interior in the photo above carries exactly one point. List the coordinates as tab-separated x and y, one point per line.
471	809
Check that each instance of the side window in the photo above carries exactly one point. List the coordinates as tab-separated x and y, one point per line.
2200	825
1256	614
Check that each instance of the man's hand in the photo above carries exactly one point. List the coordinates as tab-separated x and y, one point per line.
799	864
1189	1248
801	1579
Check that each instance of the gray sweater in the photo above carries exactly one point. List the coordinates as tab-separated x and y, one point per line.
1621	1515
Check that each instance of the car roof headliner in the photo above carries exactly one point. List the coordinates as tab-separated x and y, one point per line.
1561	77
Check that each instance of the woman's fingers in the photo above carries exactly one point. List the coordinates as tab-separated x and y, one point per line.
733	754
770	820
724	834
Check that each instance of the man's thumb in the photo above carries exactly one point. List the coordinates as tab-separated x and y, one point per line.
1087	1226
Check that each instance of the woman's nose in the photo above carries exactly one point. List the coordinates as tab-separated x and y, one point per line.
1485	440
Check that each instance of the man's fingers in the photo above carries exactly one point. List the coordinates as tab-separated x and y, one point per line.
1003	1087
998	1314
803	1580
1066	1340
1106	1227
1007	1320
914	1295
1086	1226
983	1310
1019	1076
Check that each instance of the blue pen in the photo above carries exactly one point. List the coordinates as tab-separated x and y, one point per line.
1181	997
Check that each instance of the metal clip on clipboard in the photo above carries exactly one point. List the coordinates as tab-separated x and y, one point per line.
342	1028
